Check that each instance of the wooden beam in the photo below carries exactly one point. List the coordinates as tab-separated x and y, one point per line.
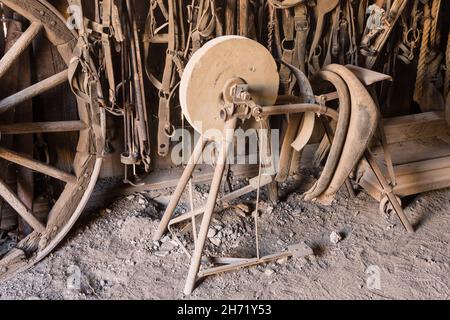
32	164
163	179
20	208
33	91
19	47
42	127
243	17
230	17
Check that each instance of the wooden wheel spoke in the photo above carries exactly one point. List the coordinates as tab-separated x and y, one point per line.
27	162
19	47
42	127
9	196
33	91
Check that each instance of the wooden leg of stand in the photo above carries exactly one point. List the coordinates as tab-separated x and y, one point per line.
389	193
210	204
184	180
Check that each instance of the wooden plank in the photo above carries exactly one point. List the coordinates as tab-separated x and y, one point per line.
410	151
422	166
413	178
164	179
423	182
243	17
25	143
230	15
411	127
446	139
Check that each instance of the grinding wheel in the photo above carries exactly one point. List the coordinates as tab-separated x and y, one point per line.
213	66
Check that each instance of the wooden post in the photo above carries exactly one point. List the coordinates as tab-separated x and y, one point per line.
230	17
243	18
25	142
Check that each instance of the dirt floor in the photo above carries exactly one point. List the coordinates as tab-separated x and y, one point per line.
113	253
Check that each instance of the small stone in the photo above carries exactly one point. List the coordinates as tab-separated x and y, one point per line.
301	250
269	272
129	198
218	227
216	242
254	271
256	214
165	239
142	201
281	242
168	246
162	253
244	207
105	212
282	261
335	237
212	232
43	242
157	243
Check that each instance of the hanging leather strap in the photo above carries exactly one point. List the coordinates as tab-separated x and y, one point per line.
302	28
107	50
165	125
288	47
154	35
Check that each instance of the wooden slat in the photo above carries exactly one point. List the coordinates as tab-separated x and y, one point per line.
446	138
42	127
20	208
422	166
243	18
413	178
417	126
32	164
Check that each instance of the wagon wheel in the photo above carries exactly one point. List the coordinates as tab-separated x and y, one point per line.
76	182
